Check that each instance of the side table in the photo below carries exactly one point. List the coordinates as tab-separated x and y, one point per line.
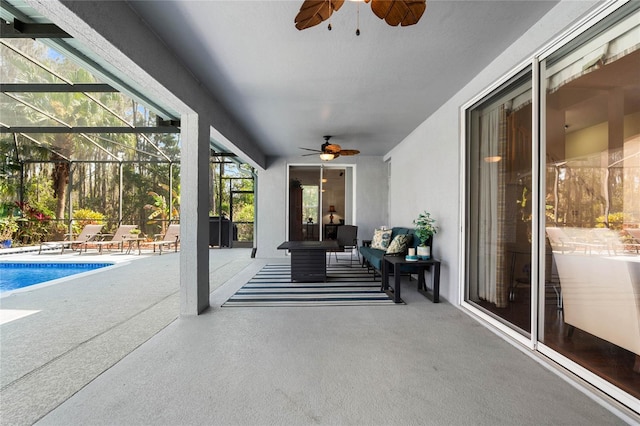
395	262
131	241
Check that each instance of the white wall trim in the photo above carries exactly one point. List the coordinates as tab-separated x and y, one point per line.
575	30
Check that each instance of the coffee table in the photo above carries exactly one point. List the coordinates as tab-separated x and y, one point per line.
309	259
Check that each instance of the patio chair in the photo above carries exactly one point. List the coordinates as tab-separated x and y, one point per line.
347	237
122	233
560	242
88	233
635	234
611	240
171	237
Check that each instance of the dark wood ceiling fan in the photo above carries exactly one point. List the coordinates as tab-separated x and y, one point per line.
394	12
330	151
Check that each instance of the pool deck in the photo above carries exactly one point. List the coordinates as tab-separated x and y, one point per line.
58	336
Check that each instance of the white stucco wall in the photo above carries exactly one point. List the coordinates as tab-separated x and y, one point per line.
433	182
371	198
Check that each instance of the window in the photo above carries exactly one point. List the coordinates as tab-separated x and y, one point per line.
310	203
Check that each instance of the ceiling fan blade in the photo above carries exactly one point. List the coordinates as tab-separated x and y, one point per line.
349	152
399	12
309	149
312	12
308	155
332	148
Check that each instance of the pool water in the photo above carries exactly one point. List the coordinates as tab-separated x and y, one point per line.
17	275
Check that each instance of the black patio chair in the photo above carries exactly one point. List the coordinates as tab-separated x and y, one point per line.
347	238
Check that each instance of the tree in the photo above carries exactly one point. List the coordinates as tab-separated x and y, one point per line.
160	208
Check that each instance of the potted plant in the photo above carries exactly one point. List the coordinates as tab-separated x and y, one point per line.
8	227
425	229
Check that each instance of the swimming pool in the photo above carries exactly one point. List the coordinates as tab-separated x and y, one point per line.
15	275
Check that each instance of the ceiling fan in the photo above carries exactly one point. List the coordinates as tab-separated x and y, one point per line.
330	151
394	12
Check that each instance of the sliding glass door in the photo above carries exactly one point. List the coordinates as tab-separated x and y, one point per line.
552	204
320	200
592	163
499	191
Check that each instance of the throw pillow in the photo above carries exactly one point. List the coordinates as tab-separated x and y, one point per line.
381	239
399	244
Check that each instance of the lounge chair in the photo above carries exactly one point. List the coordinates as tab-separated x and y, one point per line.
612	241
89	233
122	233
635	234
171	237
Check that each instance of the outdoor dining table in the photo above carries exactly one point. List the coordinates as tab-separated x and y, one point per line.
309	259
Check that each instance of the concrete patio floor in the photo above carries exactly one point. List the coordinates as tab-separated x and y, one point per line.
110	349
82	325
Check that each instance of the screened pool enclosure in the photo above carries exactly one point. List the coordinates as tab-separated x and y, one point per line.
77	147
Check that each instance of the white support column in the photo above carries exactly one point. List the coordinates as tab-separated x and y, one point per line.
194	215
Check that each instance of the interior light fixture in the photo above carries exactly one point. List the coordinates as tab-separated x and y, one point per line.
327	156
492	159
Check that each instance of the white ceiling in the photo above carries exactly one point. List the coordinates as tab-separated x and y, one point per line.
290	87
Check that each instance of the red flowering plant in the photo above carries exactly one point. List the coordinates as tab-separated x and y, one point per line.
33	224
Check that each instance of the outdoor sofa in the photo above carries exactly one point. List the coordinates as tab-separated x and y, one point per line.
372	257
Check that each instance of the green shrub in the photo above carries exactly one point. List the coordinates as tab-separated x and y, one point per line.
616	220
82	217
8	227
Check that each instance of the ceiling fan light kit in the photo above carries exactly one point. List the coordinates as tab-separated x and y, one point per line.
325	156
394	12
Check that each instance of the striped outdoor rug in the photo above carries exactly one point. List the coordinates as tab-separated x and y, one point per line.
345	286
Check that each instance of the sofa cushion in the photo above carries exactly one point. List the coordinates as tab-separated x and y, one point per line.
381	239
399	244
398	230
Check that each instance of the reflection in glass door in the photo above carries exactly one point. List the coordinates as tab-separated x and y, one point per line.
499	191
592	110
305	186
334	202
